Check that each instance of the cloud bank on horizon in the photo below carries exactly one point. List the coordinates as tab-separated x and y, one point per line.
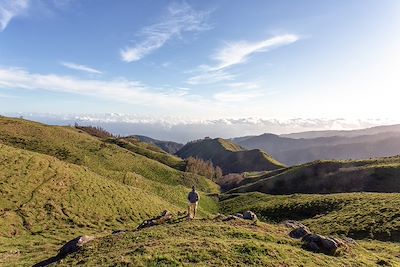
201	60
183	129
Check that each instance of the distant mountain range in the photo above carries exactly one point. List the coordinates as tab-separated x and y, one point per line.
230	157
304	147
345	133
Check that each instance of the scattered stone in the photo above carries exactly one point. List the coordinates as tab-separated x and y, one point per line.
219	217
70	247
320	244
249	215
239	215
230	218
165	217
299	232
293	224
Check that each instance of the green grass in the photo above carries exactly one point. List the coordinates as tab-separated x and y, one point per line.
43	196
108	160
150	151
209	243
358	215
57	182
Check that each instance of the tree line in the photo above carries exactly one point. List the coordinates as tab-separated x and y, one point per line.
204	168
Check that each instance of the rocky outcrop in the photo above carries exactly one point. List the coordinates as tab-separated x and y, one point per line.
165	217
70	247
315	242
299	232
249	215
320	244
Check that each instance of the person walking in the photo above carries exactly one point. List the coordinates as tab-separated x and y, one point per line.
193	198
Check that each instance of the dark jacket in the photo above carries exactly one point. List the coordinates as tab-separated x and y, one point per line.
193	197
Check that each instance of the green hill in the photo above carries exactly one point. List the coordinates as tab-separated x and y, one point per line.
109	160
57	182
168	146
210	243
322	177
231	158
358	215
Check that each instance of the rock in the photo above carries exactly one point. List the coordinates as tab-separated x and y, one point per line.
239	215
299	232
249	215
219	217
70	247
73	245
293	224
230	218
320	244
165	217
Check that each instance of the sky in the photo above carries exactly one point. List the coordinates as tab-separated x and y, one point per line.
188	62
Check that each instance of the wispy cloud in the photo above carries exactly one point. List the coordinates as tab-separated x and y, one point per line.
180	18
237	96
80	67
234	53
208	76
9	9
119	89
240	91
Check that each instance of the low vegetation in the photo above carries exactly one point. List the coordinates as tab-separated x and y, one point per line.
210	243
58	183
357	215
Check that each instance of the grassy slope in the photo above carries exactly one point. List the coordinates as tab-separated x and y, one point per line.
229	156
150	151
108	160
376	175
358	215
208	243
46	201
82	185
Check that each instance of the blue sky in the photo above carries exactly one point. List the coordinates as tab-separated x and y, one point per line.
202	60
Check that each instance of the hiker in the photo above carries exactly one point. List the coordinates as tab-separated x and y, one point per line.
193	198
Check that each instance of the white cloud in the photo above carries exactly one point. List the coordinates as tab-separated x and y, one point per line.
183	129
238	52
158	100
234	53
237	96
180	18
244	85
117	89
207	77
10	9
79	67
